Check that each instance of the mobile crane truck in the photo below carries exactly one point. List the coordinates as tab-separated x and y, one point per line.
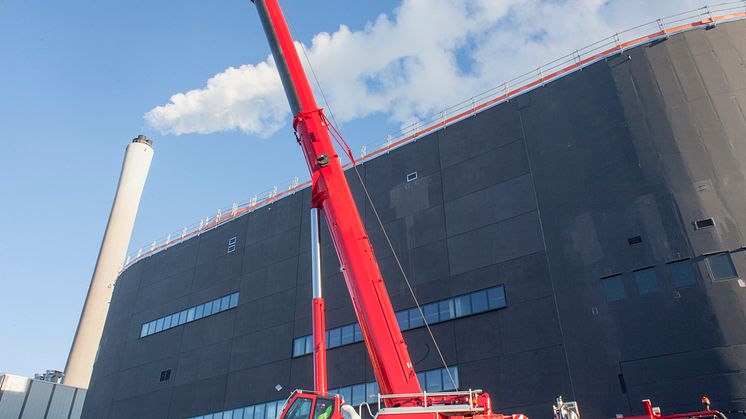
401	395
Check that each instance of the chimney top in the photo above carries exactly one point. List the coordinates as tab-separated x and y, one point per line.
143	139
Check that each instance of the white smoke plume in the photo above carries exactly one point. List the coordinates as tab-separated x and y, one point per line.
423	56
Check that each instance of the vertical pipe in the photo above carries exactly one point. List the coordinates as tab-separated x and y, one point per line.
319	323
114	245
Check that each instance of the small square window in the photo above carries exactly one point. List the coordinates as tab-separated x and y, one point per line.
228	415
165	375
431	313
259	411
225	303
348	334
479	301
231	248
647	281
704	223
415	318
496	297
232	240
358	333
721	266
309	344
144	330
449	379
634	240
412	176
463	305
454	375
371	389
614	287
433	381
335	337
182	317
199	311
446	310
190	314
234	300
158	325
402	317
682	273
166	322
358	394
248	412
299	346
271	410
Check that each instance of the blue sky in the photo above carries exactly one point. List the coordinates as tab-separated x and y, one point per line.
79	77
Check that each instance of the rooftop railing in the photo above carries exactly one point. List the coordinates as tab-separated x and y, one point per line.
703	17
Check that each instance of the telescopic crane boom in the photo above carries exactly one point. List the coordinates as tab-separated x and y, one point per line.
383	339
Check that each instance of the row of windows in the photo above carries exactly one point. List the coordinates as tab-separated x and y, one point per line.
189	315
439	311
681	273
430	381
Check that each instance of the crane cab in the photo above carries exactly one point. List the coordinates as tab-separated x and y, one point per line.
309	405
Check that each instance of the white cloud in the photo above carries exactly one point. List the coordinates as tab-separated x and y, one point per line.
425	56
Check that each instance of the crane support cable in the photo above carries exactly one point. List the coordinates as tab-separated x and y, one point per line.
342	143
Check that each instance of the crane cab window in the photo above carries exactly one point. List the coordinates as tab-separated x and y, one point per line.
324	408
301	409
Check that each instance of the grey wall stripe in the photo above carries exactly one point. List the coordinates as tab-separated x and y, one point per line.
25	398
72	404
49	402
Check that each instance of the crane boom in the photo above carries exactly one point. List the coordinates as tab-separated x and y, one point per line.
331	193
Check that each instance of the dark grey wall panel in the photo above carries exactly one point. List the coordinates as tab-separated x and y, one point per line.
598	173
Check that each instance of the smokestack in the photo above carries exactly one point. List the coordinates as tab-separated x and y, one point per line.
114	246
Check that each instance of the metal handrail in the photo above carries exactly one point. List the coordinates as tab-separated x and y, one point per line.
658	29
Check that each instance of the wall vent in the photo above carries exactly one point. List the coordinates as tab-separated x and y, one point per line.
165	375
412	176
704	223
634	240
232	245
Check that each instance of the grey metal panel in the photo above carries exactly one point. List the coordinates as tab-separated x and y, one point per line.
489	205
77	407
489	168
61	402
498	242
12	395
37	400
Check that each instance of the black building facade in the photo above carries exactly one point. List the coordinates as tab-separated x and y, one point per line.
585	239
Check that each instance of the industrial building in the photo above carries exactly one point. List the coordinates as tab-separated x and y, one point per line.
26	398
584	238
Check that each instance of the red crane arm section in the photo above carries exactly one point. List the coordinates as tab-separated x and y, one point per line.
383	338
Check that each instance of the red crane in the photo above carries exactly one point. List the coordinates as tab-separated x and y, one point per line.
401	394
330	193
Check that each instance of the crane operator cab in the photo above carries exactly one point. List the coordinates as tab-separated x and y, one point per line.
308	405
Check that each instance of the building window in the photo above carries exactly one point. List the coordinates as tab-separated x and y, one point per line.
682	273
412	176
445	379
634	240
721	266
614	287
647	281
191	314
436	312
232	245
704	223
165	375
